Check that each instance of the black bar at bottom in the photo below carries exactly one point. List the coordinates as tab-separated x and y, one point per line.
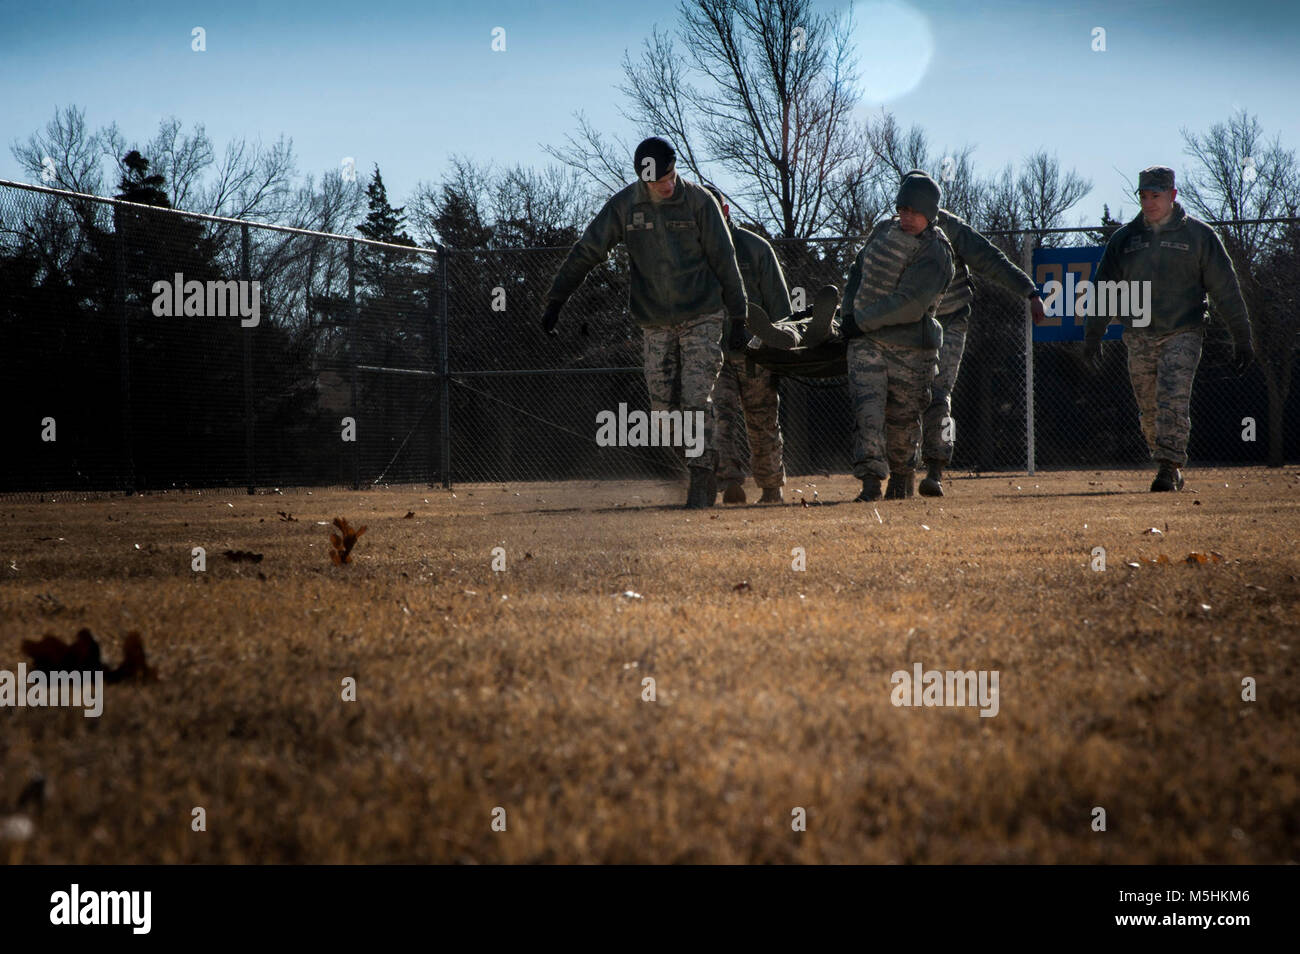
924	905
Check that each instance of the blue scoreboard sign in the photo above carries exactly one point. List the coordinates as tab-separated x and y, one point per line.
1068	268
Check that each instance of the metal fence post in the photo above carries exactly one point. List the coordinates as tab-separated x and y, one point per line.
353	321
444	373
1027	263
245	273
434	451
124	345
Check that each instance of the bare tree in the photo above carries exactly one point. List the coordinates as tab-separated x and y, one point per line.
334	206
73	151
884	152
64	155
897	150
858	201
963	190
757	90
477	205
1237	174
455	212
252	181
1000	211
1045	193
659	87
604	160
546	208
181	159
330	207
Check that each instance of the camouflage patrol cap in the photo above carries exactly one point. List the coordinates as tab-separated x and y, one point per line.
1156	179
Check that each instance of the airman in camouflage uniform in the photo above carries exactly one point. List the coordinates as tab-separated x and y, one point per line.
972	253
685	286
1184	259
746	397
888	315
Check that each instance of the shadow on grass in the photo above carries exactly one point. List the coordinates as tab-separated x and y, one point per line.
673	507
1069	493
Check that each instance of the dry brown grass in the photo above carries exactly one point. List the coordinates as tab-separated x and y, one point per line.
523	689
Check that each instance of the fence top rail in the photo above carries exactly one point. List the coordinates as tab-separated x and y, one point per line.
225	220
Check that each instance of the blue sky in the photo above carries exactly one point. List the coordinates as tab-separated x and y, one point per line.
408	84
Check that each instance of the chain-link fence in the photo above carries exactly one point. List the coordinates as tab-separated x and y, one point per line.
153	349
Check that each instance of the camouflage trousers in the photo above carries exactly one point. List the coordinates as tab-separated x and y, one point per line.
746	401
1161	369
890	387
938	427
682	361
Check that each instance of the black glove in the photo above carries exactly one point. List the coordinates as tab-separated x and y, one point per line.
1092	352
1243	355
551	315
848	327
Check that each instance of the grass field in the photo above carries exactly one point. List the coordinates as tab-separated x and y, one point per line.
523	689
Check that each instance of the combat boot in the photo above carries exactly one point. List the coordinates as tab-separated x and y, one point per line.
931	485
782	336
870	490
1168	478
733	493
900	486
820	315
703	491
772	495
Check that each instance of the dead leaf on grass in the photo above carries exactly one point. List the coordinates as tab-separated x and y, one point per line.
134	665
51	654
243	556
341	543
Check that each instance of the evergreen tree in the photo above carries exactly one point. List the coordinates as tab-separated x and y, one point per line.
1101	236
383	222
381	270
137	185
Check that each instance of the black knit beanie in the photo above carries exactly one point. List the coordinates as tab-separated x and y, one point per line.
662	158
920	193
